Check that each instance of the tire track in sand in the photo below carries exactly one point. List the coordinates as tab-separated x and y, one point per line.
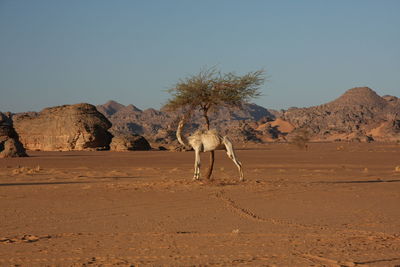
248	214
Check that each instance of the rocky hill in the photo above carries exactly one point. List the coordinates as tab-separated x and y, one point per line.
359	114
160	125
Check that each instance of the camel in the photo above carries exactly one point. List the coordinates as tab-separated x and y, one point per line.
204	141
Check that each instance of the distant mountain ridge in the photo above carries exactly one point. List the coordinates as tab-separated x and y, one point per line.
358	114
160	125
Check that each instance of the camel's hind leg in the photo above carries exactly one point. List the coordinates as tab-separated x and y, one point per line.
232	156
196	165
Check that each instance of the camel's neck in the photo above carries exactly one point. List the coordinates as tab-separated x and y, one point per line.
181	139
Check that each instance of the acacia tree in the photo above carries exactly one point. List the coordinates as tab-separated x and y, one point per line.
210	90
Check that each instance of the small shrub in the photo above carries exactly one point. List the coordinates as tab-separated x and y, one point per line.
26	170
301	139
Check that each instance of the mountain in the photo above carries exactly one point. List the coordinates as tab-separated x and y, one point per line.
110	107
359	96
358	114
160	125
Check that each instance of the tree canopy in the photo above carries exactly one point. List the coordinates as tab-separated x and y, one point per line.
211	89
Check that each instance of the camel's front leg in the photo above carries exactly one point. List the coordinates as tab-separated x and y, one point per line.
196	165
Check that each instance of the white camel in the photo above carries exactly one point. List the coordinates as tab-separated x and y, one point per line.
204	141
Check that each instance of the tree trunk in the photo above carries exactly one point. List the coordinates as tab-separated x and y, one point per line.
207	121
211	166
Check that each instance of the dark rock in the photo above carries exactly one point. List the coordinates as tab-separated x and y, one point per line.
10	146
129	142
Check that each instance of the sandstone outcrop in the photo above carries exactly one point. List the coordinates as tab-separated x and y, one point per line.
129	142
68	127
10	146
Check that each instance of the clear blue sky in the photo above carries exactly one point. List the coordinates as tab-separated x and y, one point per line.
65	52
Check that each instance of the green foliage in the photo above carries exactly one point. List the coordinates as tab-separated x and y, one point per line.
210	89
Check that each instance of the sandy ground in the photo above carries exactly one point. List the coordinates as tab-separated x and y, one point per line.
333	205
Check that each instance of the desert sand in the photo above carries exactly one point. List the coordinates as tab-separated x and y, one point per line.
336	204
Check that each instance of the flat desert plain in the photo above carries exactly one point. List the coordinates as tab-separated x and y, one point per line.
335	204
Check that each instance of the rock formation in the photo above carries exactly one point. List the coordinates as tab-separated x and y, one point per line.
160	125
359	114
10	146
68	127
129	142
110	108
